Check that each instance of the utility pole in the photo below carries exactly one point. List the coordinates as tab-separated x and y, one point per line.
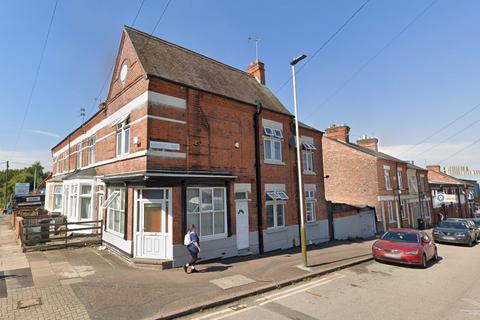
35	178
5	190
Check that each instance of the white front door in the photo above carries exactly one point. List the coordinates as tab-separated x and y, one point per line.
242	224
153	229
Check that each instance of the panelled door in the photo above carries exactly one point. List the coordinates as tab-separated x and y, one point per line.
242	224
153	229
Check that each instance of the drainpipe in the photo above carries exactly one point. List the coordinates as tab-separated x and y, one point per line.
258	176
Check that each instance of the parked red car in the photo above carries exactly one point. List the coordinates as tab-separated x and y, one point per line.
406	246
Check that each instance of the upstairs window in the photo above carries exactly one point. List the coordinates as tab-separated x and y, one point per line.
65	162
386	177
400	179
272	143
79	155
123	138
92	151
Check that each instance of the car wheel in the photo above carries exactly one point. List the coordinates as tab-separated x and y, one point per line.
424	262
435	255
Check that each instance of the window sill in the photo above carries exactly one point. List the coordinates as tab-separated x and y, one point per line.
216	237
275	229
309	173
274	162
115	233
313	223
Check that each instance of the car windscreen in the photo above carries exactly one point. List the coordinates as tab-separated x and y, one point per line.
400	236
452	225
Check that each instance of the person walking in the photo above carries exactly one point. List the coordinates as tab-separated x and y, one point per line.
193	247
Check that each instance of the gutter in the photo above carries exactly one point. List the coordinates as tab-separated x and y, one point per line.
258	177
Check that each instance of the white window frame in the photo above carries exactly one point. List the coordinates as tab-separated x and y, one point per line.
400	178
65	160
122	143
308	161
199	211
56	195
391	214
82	196
403	208
92	151
112	210
273	141
386	178
310	200
276	203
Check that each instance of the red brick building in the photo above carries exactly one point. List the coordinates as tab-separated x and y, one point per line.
360	175
184	139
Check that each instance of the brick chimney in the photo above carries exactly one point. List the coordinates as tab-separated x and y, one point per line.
339	132
369	143
257	69
435	168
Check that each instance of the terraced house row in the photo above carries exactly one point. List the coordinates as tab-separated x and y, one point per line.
183	139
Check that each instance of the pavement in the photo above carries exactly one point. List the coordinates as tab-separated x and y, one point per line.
447	290
87	283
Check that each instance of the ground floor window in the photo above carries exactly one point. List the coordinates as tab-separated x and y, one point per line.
76	200
391	217
115	204
310	205
57	198
275	209
206	209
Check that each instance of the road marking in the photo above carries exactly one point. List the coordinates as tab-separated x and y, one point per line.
471	301
227	312
333	276
326	281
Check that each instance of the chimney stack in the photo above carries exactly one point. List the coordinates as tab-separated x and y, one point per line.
369	143
257	69
339	132
435	168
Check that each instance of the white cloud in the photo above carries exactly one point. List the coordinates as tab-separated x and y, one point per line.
21	159
428	153
44	132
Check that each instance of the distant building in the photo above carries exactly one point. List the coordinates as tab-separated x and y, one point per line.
466	173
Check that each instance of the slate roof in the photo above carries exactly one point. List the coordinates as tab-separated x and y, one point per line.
171	62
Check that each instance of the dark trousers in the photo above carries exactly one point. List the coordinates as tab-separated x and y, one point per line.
194	259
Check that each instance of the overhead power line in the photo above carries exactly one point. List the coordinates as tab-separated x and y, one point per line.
461	150
161	16
441	129
448	139
105	82
378	53
325	43
37	72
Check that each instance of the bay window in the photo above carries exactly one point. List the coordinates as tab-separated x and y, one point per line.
206	209
115	204
85	202
57	198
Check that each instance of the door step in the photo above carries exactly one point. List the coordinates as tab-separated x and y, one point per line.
244	252
164	264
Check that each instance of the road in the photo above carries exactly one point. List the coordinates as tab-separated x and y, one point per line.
448	289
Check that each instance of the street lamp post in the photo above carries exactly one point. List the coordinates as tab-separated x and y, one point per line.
303	239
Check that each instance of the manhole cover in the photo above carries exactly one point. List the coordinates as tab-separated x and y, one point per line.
22	304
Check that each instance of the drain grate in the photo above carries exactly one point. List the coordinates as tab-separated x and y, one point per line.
27	303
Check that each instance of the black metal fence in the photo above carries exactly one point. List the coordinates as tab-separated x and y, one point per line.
54	233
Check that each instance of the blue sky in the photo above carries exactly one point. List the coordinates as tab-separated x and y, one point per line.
426	78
